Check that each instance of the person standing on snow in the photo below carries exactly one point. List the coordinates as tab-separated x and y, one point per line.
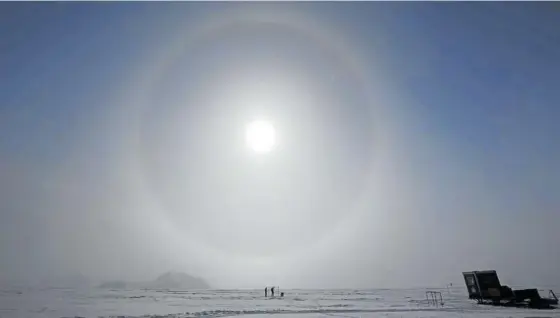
265	291
272	291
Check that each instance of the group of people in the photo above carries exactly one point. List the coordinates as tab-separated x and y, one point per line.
271	292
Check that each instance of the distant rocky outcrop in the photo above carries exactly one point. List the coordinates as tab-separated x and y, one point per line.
169	280
178	280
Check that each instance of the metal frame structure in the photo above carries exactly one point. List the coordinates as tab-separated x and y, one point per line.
432	298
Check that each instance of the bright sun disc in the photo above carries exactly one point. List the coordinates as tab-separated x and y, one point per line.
260	136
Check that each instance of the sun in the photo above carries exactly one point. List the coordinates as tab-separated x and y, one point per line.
260	136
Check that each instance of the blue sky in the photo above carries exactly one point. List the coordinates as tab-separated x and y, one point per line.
476	69
471	89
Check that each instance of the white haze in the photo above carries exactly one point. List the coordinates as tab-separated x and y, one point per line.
357	192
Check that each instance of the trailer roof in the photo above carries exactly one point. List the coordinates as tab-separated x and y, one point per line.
481	272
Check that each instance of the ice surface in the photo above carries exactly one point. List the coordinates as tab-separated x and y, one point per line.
46	303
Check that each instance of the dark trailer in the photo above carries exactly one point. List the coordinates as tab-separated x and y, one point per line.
485	287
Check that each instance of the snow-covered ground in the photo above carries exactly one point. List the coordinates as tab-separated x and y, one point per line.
408	303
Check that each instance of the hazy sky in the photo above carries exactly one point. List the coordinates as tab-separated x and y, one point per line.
415	141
